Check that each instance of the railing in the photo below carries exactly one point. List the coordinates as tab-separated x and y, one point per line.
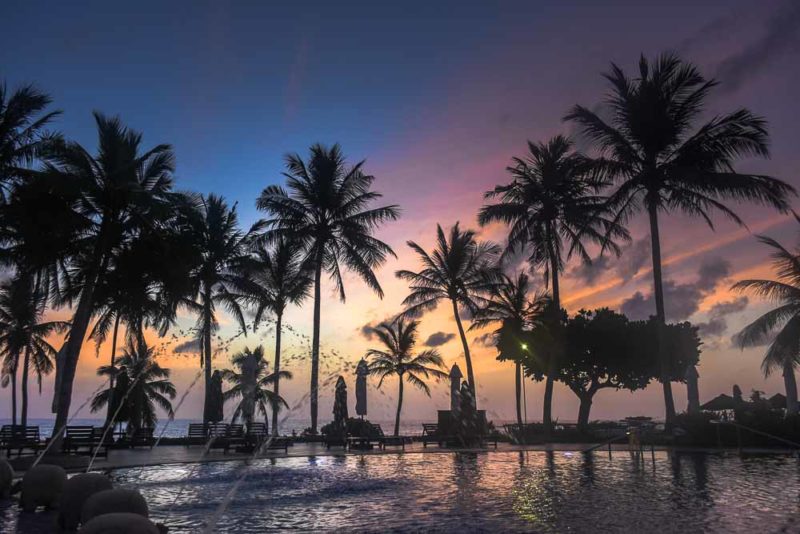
739	428
606	443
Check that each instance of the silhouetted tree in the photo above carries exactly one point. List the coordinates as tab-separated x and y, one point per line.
461	270
398	358
779	327
552	206
327	211
250	382
278	278
664	161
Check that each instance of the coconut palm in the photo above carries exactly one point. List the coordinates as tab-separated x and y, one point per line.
398	358
250	383
663	159
23	138
147	386
508	304
219	278
24	335
780	327
460	270
122	190
279	279
327	211
553	206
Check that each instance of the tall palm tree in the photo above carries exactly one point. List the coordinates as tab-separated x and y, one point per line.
147	386
24	335
219	278
663	159
398	358
779	327
327	211
250	383
23	137
508	304
552	206
122	190
279	279
460	270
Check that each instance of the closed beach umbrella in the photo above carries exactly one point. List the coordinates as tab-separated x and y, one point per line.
361	387
215	398
340	406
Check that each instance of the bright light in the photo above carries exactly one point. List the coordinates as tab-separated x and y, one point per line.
524	346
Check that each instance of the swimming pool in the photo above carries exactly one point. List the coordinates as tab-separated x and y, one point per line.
497	491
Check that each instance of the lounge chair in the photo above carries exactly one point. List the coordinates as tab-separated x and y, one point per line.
19	438
86	440
218	436
236	436
430	434
198	434
388	441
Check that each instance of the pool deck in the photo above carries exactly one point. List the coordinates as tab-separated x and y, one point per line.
180	454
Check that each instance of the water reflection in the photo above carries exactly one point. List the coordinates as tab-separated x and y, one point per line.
509	492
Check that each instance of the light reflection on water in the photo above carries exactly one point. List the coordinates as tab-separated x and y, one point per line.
499	491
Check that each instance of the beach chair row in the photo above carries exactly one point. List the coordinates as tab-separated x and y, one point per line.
225	436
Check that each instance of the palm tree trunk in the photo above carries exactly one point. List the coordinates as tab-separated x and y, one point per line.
278	322
518	393
399	408
467	357
67	359
661	316
207	407
583	411
25	371
547	409
315	344
14	365
109	415
791	389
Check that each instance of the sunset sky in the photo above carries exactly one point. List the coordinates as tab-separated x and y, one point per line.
437	97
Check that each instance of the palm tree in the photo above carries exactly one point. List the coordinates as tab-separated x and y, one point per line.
251	385
779	327
24	335
23	137
122	190
552	206
508	304
219	278
147	386
327	212
664	161
280	279
461	270
398	358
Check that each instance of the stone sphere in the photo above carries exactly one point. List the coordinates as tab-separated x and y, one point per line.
6	479
114	501
119	523
42	486
77	491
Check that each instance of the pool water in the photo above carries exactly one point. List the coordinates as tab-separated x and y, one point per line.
467	492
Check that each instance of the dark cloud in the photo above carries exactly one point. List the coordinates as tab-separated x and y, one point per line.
632	258
680	300
191	346
367	329
721	309
780	35
438	339
485	340
712	328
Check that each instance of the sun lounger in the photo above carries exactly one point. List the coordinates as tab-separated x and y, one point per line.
198	435
430	434
218	436
85	440
388	441
20	438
